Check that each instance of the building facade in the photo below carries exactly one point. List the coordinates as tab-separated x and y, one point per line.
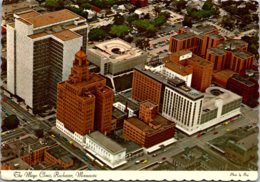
219	105
146	88
84	102
245	88
42	45
150	128
217	57
105	149
186	63
116	59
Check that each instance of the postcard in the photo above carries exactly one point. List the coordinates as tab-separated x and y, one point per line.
129	90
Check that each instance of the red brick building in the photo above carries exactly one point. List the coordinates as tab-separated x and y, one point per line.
84	101
57	156
244	87
240	61
139	3
145	88
197	39
182	41
202	69
217	57
150	128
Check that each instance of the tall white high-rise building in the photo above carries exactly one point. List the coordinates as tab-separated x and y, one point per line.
182	104
40	51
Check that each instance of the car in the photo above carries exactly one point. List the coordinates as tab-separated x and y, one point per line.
53	136
137	162
145	161
216	132
154	155
163	158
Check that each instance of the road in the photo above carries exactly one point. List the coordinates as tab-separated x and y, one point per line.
9	135
78	151
248	118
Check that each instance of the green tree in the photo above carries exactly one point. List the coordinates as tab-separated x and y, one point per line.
159	21
208	5
96	34
119	20
143	25
119	30
11	122
54	4
85	6
132	18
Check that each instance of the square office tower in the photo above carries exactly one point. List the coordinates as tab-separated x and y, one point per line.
40	50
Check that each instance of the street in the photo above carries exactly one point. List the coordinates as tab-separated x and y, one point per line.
190	141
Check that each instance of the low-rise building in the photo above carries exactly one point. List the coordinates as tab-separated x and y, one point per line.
245	88
150	128
105	149
221	78
116	59
218	105
243	150
57	155
16	164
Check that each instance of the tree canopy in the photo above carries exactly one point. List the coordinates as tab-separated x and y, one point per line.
97	34
119	30
11	122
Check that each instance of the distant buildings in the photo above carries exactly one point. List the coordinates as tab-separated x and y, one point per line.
116	58
84	102
149	128
197	39
43	47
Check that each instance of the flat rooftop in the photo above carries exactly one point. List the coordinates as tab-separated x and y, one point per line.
215	36
202	29
60	153
47	19
212	94
116	50
130	104
216	51
106	142
224	74
187	91
243	54
200	61
181	53
183	36
248	142
233	44
18	164
243	80
116	113
27	14
158	120
178	67
66	35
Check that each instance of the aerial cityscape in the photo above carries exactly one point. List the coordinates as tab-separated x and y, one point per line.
130	85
